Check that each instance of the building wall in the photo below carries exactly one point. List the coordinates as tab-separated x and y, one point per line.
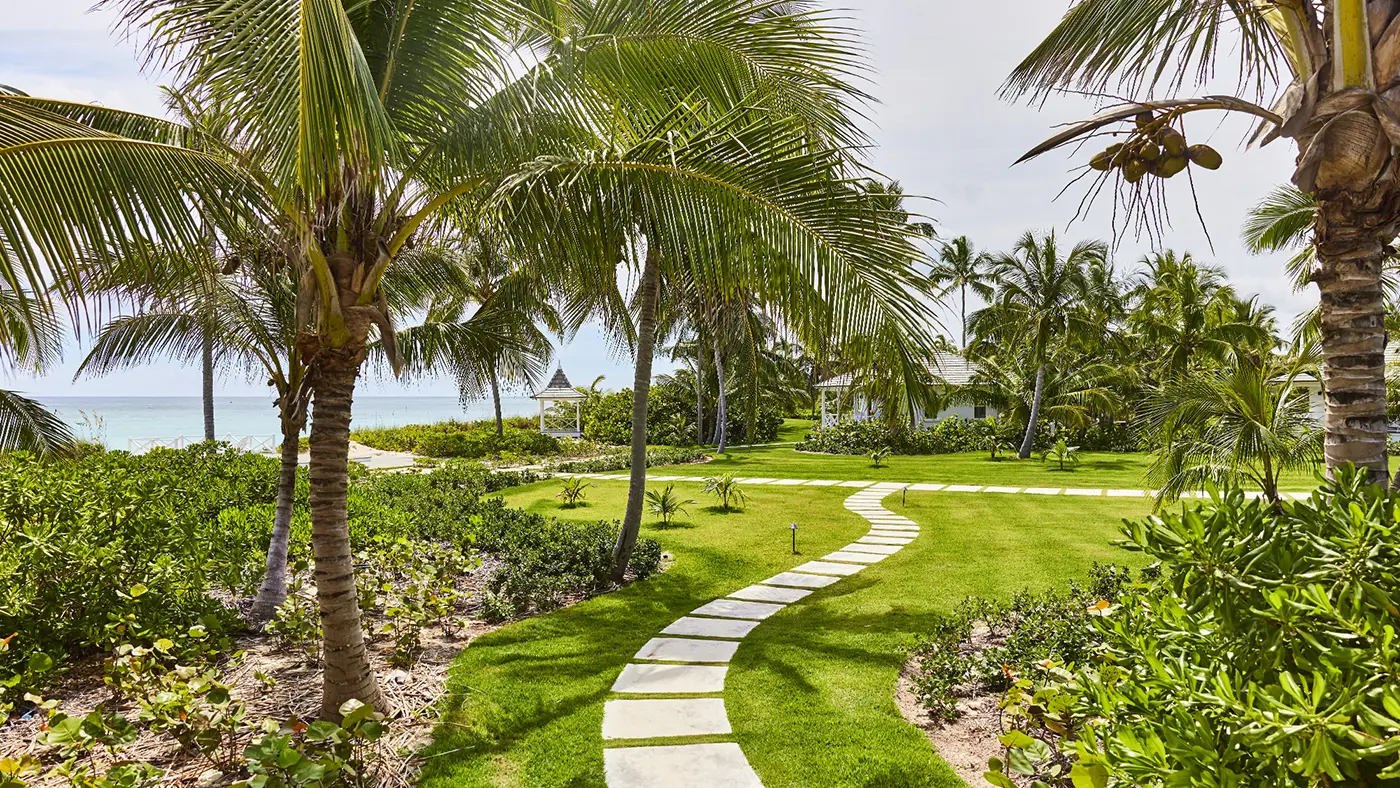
863	411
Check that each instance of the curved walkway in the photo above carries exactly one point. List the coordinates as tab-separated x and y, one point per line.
668	689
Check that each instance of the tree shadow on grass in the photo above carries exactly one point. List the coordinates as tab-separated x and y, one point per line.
721	511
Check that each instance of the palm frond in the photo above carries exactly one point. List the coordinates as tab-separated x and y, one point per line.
26	425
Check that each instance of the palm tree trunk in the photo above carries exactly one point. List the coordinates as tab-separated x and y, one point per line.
641	389
1353	336
206	342
722	413
1034	420
347	673
964	317
699	391
273	591
496	400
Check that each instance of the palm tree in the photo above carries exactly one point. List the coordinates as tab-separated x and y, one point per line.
1075	389
500	289
1039	302
961	267
1333	65
1186	316
1247	420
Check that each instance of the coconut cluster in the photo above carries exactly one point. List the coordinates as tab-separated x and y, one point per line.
1156	148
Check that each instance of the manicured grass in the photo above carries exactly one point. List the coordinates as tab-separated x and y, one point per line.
794	430
525	702
1101	470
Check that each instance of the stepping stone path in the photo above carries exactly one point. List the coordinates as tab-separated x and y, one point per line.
687	664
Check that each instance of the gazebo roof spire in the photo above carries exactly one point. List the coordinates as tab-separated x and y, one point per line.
559	388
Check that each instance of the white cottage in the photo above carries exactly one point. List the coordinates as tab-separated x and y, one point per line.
837	394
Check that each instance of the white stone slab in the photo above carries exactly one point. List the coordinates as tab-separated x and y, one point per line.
856	484
798	580
882	540
898	534
710	627
690	478
1126	493
761	593
1042	490
662	478
879	549
733	608
683	766
1297	496
1006	490
671	679
1085	493
759	480
962	488
892	521
823	482
926	487
855	558
686	650
650	719
890	485
906	528
828	568
789	482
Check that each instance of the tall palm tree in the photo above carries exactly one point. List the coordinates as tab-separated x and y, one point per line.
961	267
1247	420
1333	66
503	290
1077	387
1186	316
1040	301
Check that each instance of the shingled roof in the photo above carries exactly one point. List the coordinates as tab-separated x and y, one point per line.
559	388
950	367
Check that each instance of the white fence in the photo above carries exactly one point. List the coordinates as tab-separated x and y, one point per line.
262	444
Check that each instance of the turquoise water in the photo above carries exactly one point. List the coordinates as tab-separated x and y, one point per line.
115	421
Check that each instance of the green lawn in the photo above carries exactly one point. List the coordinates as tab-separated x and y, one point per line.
1096	470
525	703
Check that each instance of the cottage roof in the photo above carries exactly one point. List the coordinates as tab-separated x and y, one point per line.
559	388
952	368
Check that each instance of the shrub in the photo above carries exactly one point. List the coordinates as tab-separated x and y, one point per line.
462	439
607	418
856	438
1264	654
623	461
666	504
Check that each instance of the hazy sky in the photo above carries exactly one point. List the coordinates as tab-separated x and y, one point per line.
939	127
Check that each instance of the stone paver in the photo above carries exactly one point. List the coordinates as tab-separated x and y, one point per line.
789	482
733	608
887	527
732	628
1126	493
760	593
671	679
1086	493
800	580
679	766
962	488
926	487
823	482
856	484
880	532
687	650
1006	490
657	718
828	568
759	480
1043	490
881	549
855	558
883	540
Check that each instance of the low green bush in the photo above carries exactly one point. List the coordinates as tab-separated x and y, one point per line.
855	438
1261	651
607	418
463	439
623	461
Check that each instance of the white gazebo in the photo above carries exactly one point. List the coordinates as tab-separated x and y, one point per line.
561	407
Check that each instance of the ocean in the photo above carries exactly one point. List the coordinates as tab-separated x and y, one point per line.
122	422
